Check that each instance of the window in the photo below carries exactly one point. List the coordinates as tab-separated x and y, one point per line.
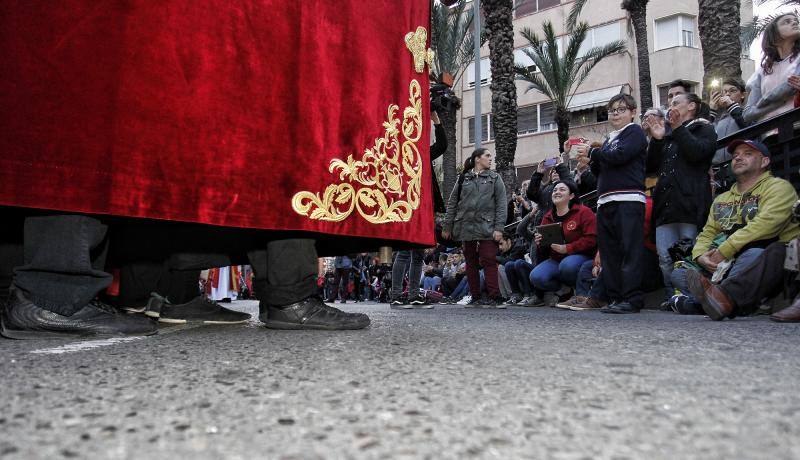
535	118
599	36
528	119
588	116
520	58
486	129
486	73
547	116
675	31
523	7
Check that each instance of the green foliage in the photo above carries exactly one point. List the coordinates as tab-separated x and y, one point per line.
451	38
559	77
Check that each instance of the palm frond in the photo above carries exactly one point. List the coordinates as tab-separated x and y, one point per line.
572	19
593	57
451	38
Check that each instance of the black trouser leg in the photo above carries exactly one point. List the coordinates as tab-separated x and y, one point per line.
11	249
759	280
620	236
64	261
286	272
137	280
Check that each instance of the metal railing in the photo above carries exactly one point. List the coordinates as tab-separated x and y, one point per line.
784	143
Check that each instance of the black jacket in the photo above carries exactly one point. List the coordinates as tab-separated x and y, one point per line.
437	150
682	160
619	164
587	182
542	195
516	252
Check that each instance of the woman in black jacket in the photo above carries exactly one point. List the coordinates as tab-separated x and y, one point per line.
681	158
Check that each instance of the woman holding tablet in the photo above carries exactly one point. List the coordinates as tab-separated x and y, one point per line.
561	261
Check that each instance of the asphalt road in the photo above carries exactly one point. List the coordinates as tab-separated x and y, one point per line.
444	383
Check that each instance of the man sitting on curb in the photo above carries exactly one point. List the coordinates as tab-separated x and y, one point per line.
754	213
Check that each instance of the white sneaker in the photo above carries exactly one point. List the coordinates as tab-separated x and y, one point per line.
465	300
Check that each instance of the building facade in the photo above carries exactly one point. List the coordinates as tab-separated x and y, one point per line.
674	46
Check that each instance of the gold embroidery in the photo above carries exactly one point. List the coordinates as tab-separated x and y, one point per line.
384	185
416	43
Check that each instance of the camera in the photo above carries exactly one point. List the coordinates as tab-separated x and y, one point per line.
443	98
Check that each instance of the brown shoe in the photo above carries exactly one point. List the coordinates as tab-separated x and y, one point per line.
791	314
589	304
573	301
716	303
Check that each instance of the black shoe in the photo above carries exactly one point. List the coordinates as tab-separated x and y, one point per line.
311	313
493	302
474	302
201	309
22	319
620	308
418	301
400	303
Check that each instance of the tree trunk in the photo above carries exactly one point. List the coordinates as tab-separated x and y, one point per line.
499	14
449	121
562	124
718	23
638	12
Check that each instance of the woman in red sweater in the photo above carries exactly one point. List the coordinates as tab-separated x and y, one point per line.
580	233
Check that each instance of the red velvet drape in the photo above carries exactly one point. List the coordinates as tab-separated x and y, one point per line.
212	111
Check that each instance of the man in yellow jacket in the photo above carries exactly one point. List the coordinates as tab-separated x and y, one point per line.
743	221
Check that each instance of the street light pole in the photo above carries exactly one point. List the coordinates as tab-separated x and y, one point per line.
476	14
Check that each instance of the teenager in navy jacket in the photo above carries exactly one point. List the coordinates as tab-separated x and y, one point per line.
619	165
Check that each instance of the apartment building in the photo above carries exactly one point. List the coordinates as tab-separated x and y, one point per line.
674	46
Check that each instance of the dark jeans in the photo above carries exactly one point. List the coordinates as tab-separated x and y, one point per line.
64	257
285	272
620	237
762	278
342	275
518	273
138	279
410	260
479	254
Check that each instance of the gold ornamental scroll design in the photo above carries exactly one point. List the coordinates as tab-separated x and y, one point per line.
383	186
417	42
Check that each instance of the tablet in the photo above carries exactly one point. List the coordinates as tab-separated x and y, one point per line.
551	234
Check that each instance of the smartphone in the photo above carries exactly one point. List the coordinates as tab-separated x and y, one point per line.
550	162
576	141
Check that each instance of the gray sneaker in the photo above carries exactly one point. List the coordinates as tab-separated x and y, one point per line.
533	301
550	299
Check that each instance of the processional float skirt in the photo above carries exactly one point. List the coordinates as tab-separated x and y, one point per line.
263	114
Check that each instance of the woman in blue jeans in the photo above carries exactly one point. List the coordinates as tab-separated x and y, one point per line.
561	262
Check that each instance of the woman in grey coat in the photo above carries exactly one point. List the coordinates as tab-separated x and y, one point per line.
476	213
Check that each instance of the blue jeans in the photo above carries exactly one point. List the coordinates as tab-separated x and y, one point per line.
740	263
430	283
549	275
518	273
666	236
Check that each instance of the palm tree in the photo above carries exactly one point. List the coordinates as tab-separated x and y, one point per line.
452	43
500	31
637	9
559	77
718	24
